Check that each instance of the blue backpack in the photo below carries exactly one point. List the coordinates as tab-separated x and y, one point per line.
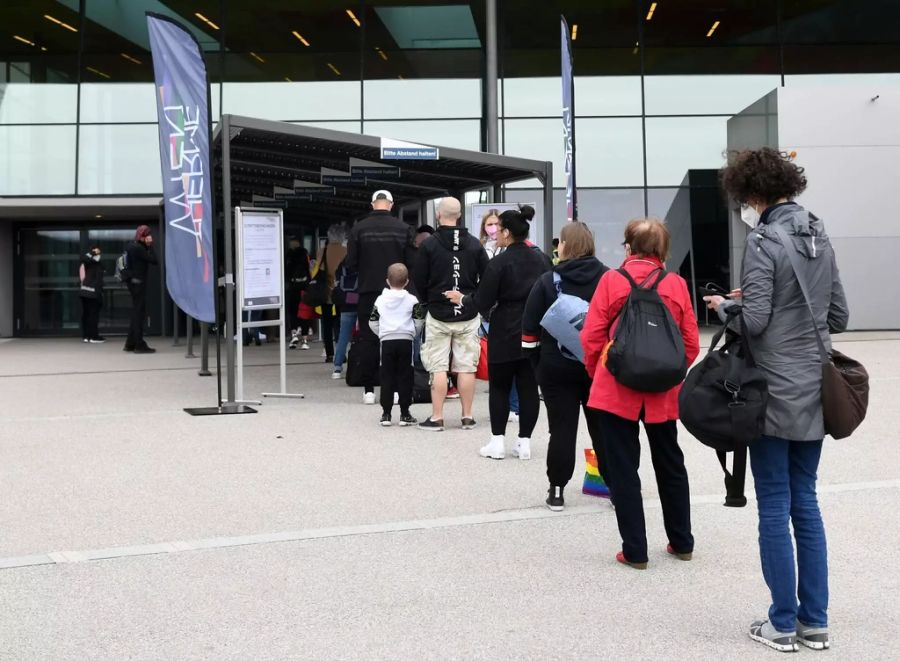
564	321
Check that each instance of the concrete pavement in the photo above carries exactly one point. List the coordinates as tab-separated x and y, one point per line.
308	531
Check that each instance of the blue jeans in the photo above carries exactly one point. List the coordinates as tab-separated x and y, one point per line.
784	473
348	320
514	399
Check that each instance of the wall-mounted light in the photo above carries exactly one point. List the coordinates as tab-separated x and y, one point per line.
353	18
60	23
650	13
206	20
712	29
300	37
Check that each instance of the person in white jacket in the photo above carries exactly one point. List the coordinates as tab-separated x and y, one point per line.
397	319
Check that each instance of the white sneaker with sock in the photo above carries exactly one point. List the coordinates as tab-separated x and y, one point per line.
495	449
522	448
369	398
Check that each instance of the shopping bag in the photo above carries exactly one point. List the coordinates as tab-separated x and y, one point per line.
594	485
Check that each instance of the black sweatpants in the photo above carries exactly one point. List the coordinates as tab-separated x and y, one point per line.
396	374
138	291
368	342
565	395
328	328
500	381
90	318
623	456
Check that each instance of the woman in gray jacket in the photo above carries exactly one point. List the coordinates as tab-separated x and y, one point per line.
777	322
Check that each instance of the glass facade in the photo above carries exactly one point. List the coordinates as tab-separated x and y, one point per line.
655	83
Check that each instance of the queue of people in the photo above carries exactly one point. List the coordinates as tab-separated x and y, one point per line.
386	282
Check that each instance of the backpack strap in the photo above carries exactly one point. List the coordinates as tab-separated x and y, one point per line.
634	285
734	481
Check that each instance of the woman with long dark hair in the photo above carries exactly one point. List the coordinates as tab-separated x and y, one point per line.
503	290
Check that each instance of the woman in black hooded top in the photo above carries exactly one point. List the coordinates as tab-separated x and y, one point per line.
564	381
506	283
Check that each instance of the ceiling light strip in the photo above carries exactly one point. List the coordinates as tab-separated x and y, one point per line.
257	57
60	23
575	32
131	59
206	20
300	37
712	29
334	68
650	13
98	72
353	18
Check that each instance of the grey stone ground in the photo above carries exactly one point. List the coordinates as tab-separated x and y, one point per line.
401	544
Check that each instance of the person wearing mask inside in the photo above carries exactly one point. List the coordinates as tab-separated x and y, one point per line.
564	382
91	295
490	223
782	323
140	256
506	283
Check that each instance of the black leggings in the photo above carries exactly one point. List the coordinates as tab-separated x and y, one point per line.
500	380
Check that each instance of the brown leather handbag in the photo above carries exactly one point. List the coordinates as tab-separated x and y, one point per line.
845	382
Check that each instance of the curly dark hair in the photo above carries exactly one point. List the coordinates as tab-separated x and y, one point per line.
765	175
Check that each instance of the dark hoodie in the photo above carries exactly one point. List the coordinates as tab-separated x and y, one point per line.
578	277
450	259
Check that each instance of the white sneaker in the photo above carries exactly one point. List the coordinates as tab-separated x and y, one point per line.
495	449
513	416
337	373
396	398
304	346
522	448
294	341
324	355
369	398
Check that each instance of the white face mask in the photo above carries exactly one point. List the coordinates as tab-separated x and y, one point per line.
749	215
96	258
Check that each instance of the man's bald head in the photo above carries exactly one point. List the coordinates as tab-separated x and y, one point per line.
449	211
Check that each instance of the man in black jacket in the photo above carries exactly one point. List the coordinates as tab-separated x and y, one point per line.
376	241
451	260
140	257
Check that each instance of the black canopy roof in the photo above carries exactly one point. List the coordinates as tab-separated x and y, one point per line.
266	154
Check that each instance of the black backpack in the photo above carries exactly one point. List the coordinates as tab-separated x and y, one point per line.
647	353
723	405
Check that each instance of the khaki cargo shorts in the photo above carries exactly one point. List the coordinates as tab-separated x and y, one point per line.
459	338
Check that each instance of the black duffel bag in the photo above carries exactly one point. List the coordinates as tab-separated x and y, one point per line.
723	405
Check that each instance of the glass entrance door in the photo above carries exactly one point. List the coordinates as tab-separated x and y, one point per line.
47	297
50	261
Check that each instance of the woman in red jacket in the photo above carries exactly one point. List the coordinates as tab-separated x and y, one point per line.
621	408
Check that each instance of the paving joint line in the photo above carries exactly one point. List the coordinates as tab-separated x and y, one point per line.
417	525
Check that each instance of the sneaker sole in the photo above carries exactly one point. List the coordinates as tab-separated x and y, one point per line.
555	508
775	646
441	428
492	456
521	455
386	424
406	424
814	645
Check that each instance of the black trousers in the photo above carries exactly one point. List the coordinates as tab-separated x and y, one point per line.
368	342
396	374
292	305
90	318
500	381
623	456
138	291
328	328
565	395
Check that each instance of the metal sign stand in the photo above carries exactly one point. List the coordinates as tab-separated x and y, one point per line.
249	305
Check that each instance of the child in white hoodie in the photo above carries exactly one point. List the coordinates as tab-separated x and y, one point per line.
397	320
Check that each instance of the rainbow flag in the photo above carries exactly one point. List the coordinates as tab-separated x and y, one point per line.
593	481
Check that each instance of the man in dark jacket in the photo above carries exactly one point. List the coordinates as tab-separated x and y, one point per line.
91	294
451	260
140	257
376	241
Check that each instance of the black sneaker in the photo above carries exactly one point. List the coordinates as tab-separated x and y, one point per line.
406	420
386	420
431	425
144	349
555	500
127	348
468	423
